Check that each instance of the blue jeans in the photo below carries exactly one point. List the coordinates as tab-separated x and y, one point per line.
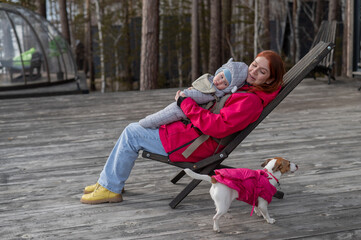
121	160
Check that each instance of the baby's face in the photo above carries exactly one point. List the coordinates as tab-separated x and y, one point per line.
220	81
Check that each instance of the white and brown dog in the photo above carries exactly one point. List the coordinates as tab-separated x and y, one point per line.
255	187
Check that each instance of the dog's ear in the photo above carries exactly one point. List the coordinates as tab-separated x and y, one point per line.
266	162
281	165
277	166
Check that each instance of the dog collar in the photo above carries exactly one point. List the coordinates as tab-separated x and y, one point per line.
272	176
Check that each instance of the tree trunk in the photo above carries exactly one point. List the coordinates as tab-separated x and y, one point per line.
215	36
296	40
255	36
204	35
89	49
195	41
101	45
128	57
240	36
319	10
179	38
266	25
41	7
226	29
347	47
150	45
64	20
332	10
73	39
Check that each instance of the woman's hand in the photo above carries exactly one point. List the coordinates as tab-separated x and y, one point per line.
179	93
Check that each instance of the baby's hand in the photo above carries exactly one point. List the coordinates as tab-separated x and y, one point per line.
179	93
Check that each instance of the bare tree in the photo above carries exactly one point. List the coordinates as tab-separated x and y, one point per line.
226	29
266	25
240	25
204	34
150	45
195	40
126	36
215	36
89	43
319	11
41	7
64	20
101	44
179	40
347	48
255	38
296	39
332	10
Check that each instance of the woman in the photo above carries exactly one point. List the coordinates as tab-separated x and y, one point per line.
263	83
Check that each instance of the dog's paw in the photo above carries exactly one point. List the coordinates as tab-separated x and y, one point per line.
217	230
258	212
271	220
216	227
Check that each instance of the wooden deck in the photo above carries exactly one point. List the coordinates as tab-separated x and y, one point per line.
51	147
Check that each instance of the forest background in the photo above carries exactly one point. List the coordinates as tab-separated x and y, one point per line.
147	44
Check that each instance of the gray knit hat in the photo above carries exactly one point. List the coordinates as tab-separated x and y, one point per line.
238	72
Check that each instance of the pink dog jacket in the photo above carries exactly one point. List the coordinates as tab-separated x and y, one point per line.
250	184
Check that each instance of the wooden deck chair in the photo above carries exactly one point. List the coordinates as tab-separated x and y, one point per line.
326	33
206	166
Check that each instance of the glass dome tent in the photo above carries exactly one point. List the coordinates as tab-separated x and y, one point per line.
32	51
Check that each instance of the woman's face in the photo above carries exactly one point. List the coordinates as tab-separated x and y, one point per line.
259	72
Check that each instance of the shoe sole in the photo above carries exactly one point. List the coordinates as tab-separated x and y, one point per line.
86	192
108	200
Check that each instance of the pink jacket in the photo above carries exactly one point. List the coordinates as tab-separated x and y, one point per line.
250	184
239	111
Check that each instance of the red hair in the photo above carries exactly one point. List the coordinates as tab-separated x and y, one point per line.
277	70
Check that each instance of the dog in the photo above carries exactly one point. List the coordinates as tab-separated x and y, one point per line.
223	190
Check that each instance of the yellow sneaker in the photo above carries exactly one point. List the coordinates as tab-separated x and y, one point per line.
101	195
91	188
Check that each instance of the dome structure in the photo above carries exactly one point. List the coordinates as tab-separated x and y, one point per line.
32	51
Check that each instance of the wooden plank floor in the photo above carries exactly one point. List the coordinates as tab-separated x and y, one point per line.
51	147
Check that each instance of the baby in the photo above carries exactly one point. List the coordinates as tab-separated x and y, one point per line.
227	79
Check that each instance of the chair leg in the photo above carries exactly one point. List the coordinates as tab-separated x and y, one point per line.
176	178
174	203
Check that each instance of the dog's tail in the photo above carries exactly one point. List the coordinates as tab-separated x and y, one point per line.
197	176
